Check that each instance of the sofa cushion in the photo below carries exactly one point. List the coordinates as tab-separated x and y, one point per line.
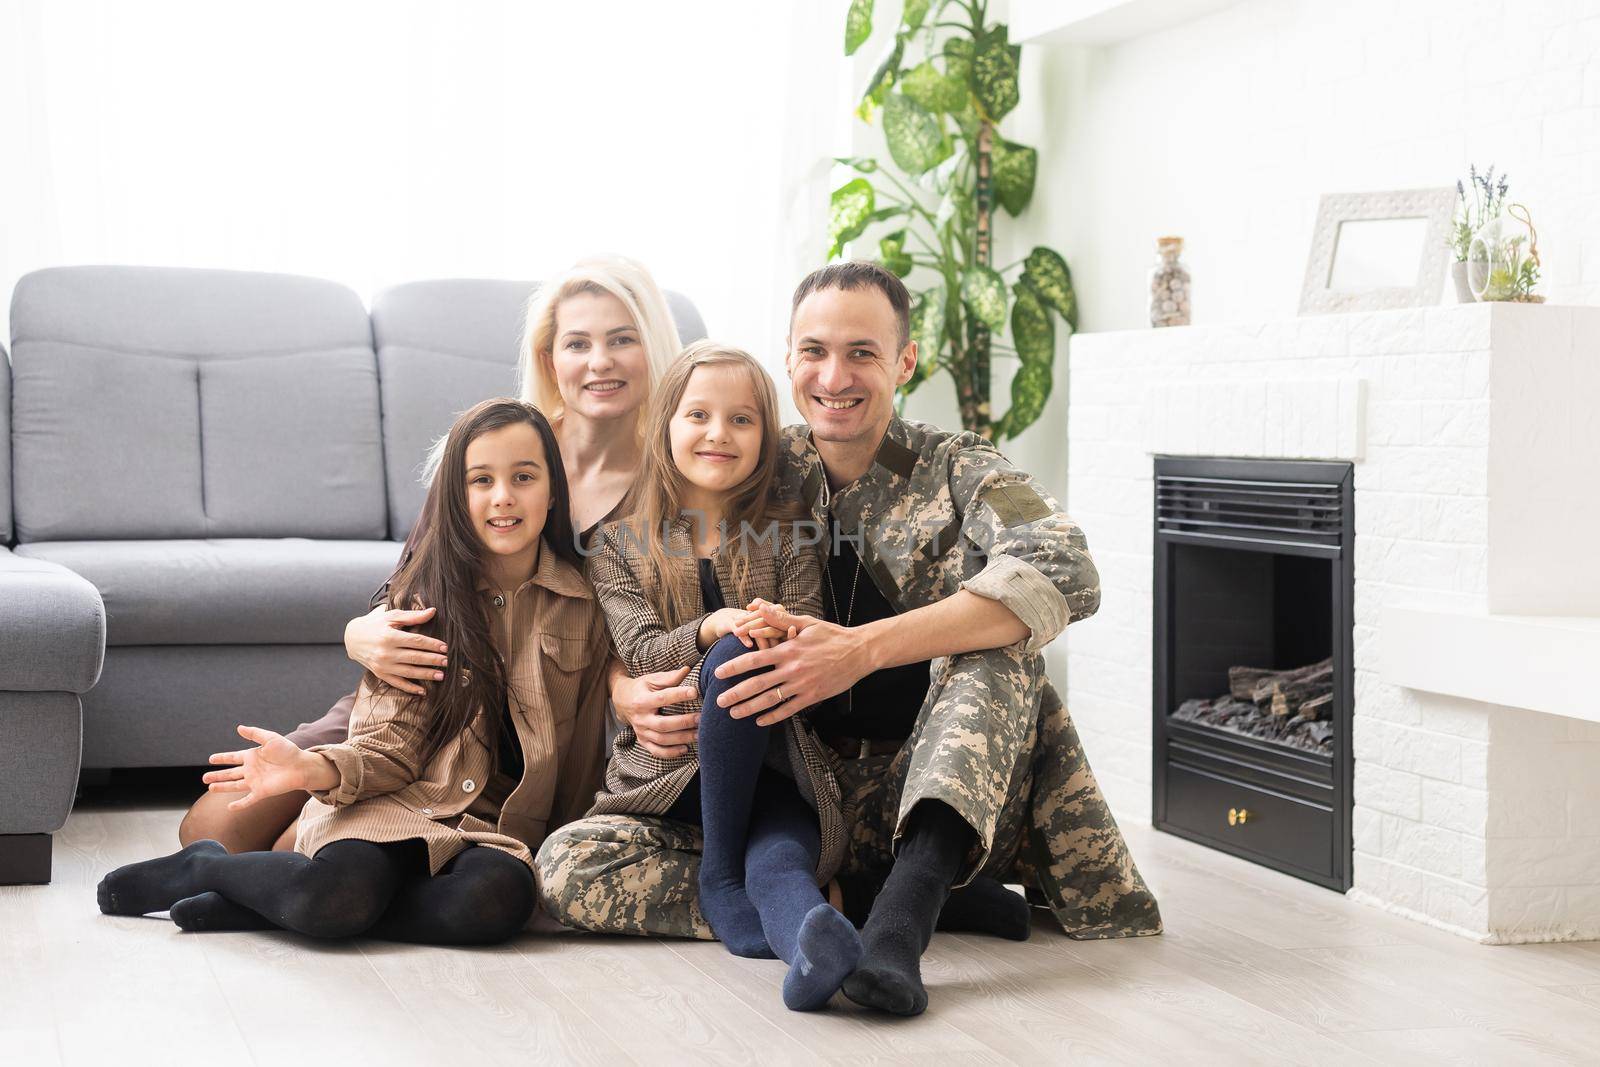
195	403
5	447
289	591
442	347
52	628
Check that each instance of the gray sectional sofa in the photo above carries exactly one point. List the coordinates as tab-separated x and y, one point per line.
203	476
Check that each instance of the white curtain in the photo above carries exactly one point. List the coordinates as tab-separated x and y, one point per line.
377	142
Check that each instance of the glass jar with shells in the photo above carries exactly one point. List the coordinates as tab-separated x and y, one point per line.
1169	285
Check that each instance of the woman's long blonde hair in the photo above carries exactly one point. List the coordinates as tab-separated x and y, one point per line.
617	276
657	499
601	275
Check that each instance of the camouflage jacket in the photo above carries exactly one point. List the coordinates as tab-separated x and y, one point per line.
939	512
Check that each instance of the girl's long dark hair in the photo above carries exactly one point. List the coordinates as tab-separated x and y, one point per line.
443	573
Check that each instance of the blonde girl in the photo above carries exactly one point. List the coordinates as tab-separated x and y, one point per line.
704	545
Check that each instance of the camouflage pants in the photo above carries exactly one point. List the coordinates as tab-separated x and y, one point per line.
992	740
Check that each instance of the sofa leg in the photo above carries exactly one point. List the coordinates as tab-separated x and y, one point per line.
24	859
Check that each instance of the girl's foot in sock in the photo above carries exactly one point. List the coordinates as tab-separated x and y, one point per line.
733	918
215	912
984	906
155	885
827	950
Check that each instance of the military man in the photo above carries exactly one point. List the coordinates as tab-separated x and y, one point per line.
947	572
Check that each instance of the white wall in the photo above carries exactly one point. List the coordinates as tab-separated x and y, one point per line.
374	142
1227	129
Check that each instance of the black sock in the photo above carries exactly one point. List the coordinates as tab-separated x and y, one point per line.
158	884
339	892
902	919
214	913
731	753
983	906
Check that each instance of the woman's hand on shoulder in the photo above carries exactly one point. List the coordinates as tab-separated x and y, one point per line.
380	642
276	765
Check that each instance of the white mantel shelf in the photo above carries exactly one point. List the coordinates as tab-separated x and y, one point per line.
1543	663
1101	22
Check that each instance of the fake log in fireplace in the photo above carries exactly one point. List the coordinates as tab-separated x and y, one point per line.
1252	661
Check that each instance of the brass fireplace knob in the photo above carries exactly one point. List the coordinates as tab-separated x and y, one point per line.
1237	816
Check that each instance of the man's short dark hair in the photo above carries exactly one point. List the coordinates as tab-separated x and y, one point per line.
858	274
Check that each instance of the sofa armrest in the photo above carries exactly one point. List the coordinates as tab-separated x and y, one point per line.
52	628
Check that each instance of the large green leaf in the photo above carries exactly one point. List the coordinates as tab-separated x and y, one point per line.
1047	272
927	329
848	210
1015	167
958	58
1029	390
934	90
1032	330
892	253
883	79
914	12
857	25
994	74
915	140
984	293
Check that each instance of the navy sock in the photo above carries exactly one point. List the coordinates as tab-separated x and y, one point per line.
731	755
819	944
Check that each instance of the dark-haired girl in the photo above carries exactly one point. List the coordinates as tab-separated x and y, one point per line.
421	826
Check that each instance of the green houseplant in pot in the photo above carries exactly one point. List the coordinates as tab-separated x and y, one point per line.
946	80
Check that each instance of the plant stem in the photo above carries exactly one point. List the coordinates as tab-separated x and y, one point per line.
911	200
978	339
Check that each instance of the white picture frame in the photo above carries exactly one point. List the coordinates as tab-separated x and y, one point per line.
1380	250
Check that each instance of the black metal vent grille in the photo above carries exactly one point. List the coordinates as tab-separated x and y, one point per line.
1255	510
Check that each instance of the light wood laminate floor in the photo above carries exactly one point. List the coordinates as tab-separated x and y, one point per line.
1255	967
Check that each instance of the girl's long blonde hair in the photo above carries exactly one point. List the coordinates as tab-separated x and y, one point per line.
657	500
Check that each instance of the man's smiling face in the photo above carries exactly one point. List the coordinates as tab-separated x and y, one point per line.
845	362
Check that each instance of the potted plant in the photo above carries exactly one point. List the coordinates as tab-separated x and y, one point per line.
945	82
1488	200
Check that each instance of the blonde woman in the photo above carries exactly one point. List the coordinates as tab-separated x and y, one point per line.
596	341
681	580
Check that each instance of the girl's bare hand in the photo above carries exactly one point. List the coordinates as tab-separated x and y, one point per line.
722	622
277	765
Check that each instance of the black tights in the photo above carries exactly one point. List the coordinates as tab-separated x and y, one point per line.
482	896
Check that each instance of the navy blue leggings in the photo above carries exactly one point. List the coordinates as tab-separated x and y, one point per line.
759	831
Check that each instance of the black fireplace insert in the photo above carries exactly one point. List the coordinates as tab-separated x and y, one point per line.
1253	686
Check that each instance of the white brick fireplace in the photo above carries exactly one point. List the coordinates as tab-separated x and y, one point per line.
1476	447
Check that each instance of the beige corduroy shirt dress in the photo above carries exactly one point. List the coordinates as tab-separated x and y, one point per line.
551	633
